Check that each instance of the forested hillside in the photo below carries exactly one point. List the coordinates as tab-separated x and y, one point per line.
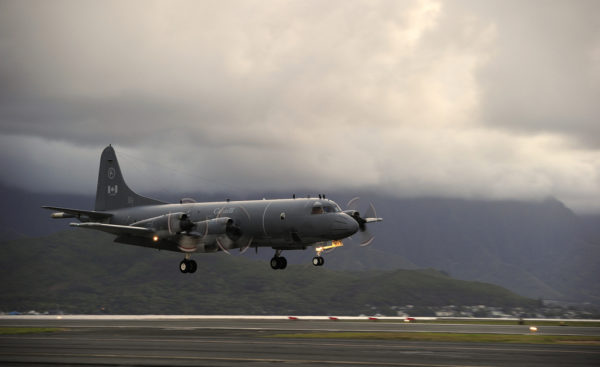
84	272
536	249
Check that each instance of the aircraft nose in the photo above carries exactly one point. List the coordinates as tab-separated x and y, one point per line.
344	226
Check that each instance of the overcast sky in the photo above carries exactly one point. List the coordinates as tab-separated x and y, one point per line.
470	99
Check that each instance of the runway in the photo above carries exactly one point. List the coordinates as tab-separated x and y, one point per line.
226	342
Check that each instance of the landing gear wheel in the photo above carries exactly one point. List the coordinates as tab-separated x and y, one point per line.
275	263
318	261
278	262
193	266
188	266
184	267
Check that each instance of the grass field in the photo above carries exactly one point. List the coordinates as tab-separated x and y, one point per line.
467	321
27	330
510	322
450	337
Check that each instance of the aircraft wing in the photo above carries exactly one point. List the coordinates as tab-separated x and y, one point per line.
116	229
78	213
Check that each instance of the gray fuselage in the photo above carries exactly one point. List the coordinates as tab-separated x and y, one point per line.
280	224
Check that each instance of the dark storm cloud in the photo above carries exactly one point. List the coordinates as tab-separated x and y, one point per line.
461	98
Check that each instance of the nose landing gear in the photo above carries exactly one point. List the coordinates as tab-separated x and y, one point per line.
318	261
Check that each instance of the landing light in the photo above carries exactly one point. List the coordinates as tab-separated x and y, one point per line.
334	244
533	329
155	238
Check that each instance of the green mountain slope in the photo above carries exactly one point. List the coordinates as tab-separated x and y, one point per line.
536	249
85	272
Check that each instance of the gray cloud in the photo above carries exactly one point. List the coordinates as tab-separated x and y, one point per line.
545	71
468	99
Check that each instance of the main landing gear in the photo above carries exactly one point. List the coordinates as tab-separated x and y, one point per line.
318	261
278	261
188	265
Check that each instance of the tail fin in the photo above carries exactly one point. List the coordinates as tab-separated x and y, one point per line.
112	191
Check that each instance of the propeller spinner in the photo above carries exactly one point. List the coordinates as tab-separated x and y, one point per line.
365	236
235	236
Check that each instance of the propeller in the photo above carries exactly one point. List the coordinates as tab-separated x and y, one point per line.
234	235
222	247
185	224
365	236
245	248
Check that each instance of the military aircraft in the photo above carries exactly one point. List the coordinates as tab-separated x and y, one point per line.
191	227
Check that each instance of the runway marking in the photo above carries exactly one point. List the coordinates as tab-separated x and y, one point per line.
517	347
233	359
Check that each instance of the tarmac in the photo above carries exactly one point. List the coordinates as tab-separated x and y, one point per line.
181	341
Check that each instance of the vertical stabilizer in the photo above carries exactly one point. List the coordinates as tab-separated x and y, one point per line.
112	191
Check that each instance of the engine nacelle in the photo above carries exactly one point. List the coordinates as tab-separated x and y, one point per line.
170	224
206	233
196	244
216	226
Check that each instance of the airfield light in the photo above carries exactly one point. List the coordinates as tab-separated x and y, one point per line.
155	238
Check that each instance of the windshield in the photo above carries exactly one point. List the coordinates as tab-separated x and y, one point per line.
320	208
329	209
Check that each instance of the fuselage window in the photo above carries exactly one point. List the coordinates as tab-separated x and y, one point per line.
317	210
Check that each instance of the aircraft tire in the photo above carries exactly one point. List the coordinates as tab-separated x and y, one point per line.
282	263
316	261
184	267
321	261
193	266
275	263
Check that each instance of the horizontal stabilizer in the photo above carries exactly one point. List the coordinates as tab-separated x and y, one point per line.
116	229
79	213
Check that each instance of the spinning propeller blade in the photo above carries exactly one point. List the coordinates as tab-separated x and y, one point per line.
235	236
365	236
242	250
222	247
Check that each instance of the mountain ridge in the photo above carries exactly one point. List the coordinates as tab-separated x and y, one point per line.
537	249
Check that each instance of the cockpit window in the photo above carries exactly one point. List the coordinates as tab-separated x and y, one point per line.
329	209
317	209
320	208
